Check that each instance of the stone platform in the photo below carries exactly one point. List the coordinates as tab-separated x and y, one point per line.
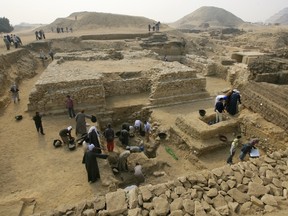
201	137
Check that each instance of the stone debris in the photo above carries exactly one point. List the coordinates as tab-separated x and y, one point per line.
253	187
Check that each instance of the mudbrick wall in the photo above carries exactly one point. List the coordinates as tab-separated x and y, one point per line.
269	100
253	187
15	66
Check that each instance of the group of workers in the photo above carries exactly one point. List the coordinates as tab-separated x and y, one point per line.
228	102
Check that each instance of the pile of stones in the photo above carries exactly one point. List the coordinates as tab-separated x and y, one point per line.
253	187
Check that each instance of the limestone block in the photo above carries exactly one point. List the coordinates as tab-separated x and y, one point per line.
99	203
231	183
177	204
233	206
89	212
245	208
146	193
161	206
224	186
211	182
243	188
199	210
133	198
269	208
116	208
257	201
176	213
269	200
213	192
219	201
205	205
223	210
188	205
135	212
238	177
257	190
148	206
270	174
238	196
249	174
159	189
179	190
257	179
277	182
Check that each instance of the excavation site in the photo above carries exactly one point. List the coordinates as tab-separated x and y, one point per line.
170	78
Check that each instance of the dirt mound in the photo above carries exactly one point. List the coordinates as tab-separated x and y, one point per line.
95	20
211	16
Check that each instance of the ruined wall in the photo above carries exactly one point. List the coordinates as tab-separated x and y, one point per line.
269	100
51	97
177	84
15	66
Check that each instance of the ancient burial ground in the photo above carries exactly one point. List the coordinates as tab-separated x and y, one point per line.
120	78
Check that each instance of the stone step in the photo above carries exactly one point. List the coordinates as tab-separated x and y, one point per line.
201	146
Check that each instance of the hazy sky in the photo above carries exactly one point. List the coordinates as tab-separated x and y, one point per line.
46	11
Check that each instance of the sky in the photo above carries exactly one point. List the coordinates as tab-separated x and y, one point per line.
165	11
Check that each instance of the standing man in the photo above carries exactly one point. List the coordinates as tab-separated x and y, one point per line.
147	129
70	107
234	145
15	93
7	42
81	123
109	135
38	123
51	54
219	109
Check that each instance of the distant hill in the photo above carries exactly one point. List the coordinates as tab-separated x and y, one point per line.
281	17
23	27
96	20
208	16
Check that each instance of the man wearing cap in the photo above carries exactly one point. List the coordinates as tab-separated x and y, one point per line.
65	134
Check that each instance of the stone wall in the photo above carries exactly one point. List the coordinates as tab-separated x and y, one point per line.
253	187
176	83
270	101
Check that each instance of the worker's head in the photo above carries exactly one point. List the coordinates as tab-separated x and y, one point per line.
239	136
69	128
109	125
254	141
37	113
82	111
221	99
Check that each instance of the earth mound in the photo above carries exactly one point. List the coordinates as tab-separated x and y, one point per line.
96	20
211	16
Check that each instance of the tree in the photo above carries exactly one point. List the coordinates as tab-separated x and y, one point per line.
5	25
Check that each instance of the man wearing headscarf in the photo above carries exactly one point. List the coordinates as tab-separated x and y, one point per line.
93	137
91	164
65	134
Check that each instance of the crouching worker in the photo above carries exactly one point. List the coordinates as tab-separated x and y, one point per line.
65	134
139	177
246	148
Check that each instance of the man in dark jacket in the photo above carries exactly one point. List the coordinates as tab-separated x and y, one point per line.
38	123
247	148
109	135
219	109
